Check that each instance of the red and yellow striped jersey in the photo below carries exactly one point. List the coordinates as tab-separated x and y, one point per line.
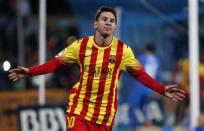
94	97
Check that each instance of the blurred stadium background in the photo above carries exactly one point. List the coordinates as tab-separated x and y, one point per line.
163	23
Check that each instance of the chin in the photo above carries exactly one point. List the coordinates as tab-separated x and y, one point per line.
106	34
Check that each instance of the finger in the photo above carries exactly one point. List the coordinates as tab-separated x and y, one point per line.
174	99
20	67
11	70
181	95
11	74
181	91
15	79
172	86
178	98
14	70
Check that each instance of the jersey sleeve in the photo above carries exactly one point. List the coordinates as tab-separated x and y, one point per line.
70	54
48	67
129	62
135	69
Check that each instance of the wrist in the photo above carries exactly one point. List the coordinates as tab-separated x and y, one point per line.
29	72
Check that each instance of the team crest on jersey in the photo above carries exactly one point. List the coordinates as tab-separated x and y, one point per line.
112	59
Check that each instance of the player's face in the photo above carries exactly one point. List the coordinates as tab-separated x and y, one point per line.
106	24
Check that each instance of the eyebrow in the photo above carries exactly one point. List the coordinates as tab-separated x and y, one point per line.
108	17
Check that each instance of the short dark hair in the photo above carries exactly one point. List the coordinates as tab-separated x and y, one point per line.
105	9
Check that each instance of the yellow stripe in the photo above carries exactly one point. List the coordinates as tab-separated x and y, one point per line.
107	89
71	97
110	120
95	87
84	82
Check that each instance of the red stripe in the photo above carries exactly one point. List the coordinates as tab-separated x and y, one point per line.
82	52
101	87
116	99
116	103
116	94
92	66
111	92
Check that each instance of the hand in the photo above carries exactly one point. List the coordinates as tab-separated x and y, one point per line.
174	93
17	73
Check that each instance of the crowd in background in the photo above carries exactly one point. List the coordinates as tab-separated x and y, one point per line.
60	32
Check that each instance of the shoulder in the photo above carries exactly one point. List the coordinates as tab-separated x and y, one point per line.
121	43
79	41
83	40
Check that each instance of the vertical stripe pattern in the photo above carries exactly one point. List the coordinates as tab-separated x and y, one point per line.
90	80
107	117
96	93
102	81
81	58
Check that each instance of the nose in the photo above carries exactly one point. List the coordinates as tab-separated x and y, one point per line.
108	22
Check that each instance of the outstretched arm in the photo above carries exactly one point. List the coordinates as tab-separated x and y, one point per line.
170	91
135	69
22	72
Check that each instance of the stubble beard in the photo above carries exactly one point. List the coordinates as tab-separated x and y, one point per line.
105	34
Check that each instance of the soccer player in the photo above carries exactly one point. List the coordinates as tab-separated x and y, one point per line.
93	99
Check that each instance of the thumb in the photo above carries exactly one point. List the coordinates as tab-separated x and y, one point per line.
170	87
23	68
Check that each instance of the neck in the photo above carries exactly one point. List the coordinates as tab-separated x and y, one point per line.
103	40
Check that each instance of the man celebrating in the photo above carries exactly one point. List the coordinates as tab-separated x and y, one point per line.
92	102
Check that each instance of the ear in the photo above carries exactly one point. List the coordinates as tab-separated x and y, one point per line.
95	24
